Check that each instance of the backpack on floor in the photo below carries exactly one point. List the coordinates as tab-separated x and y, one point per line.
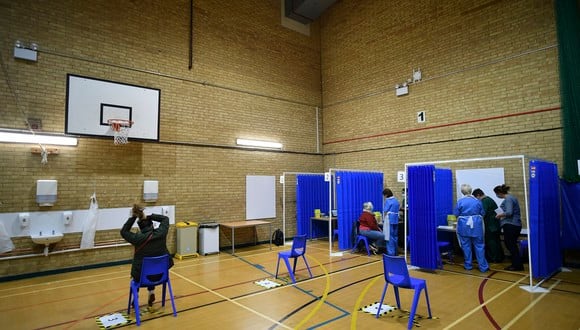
278	237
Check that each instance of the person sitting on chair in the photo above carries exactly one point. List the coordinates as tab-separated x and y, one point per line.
369	228
148	241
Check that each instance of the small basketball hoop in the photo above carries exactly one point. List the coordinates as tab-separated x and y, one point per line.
120	129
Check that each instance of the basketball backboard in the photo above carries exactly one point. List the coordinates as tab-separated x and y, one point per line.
91	103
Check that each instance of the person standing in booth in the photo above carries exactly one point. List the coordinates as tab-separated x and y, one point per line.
391	221
493	248
511	224
470	228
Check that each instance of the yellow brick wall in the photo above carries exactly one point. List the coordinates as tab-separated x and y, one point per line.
490	84
490	88
250	78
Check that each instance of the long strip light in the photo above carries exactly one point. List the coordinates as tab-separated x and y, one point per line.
25	137
258	144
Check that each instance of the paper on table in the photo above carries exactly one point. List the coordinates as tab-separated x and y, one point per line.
499	211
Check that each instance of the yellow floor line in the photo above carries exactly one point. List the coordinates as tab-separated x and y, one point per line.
233	301
359	300
507	326
478	308
322	299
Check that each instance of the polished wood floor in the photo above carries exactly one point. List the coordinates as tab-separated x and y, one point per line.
219	292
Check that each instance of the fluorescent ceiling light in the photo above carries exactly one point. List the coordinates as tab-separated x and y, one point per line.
24	137
259	144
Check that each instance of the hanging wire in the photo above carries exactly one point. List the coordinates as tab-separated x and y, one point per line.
44	152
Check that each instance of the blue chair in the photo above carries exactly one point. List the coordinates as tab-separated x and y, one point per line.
298	250
335	234
444	247
397	274
154	272
524	248
360	238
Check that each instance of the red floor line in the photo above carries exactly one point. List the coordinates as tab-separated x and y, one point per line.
481	301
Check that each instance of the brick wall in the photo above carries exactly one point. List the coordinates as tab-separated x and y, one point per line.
490	84
490	88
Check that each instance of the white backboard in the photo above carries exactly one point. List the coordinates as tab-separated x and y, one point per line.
92	102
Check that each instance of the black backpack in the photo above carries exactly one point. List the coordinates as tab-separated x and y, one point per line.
278	237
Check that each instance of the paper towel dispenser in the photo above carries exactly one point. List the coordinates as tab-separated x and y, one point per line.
150	190
46	191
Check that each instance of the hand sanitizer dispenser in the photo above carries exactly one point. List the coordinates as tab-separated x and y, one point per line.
46	192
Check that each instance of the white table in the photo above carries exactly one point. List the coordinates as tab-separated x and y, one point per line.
247	223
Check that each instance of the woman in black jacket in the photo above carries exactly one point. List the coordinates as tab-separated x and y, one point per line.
148	241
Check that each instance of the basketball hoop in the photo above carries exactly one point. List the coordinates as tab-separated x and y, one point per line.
120	129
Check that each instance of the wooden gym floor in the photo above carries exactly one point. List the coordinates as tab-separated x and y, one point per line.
219	292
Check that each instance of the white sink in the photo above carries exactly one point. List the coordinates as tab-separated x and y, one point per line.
46	239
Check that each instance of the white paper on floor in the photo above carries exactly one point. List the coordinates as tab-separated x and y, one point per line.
372	309
268	284
112	320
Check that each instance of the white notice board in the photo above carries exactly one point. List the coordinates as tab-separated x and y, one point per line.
484	178
260	197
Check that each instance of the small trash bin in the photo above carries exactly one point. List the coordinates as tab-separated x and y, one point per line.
209	238
186	239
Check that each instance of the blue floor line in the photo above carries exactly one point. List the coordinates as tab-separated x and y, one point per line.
345	313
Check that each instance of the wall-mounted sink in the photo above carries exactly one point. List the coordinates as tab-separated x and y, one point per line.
46	239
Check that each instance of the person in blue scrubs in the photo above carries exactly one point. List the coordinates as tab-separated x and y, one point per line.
391	219
470	228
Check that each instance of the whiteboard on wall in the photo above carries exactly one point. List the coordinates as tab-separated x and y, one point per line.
483	178
260	197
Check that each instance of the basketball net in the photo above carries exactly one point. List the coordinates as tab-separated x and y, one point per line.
120	131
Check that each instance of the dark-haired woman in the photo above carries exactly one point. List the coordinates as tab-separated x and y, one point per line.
493	248
511	224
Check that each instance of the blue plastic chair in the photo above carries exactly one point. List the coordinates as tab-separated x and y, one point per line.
444	247
397	274
298	250
154	272
523	248
360	238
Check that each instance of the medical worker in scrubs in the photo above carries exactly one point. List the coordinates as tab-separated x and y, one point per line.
391	221
470	228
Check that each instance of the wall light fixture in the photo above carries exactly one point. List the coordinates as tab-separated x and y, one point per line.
17	136
258	144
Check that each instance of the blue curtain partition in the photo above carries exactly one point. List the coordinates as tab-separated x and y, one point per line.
544	222
443	195
352	190
311	194
443	202
570	215
422	216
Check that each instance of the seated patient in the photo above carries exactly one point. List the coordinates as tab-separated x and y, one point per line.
369	228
